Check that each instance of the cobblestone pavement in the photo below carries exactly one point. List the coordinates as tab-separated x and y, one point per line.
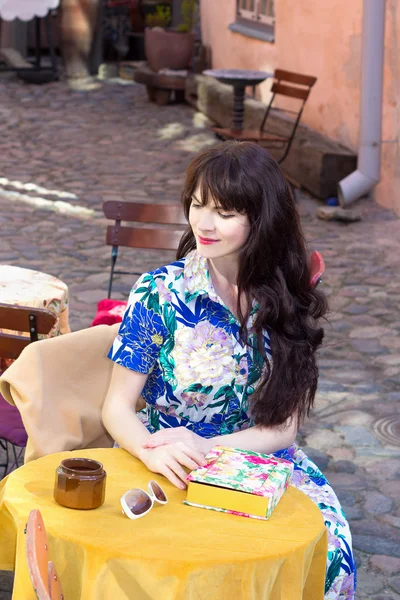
112	144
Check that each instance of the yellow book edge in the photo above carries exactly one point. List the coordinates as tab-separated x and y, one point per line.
228	499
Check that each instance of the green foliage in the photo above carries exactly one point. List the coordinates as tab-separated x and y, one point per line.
189	15
161	18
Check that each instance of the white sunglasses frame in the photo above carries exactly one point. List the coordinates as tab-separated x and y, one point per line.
127	511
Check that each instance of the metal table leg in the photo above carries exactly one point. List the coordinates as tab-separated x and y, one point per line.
238	108
50	41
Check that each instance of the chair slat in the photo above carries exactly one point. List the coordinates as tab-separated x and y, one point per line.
156	239
290	91
11	346
145	213
16	318
298	78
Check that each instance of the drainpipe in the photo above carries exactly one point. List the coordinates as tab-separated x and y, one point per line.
367	175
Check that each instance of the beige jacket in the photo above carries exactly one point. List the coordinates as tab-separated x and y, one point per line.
59	386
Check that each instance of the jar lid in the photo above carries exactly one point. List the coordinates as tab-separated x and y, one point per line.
81	467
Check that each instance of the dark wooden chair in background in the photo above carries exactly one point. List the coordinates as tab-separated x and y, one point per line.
167	225
19	319
286	84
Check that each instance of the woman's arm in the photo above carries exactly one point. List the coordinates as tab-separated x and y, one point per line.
120	406
120	420
256	438
260	439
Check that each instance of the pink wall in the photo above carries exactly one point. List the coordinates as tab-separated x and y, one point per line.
321	39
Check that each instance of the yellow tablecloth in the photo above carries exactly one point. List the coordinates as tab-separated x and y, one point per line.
26	287
176	552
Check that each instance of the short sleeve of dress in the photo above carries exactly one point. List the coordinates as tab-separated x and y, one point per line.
142	331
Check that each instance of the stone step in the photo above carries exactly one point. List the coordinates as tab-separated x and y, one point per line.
14	59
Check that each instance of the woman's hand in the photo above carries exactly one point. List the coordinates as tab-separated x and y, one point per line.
179	434
170	459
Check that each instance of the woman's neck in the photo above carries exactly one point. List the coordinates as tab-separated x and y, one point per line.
224	272
224	280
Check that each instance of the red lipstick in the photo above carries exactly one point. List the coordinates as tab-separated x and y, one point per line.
206	241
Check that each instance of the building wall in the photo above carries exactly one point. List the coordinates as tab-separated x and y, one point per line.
321	39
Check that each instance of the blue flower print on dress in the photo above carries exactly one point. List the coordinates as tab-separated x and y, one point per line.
140	337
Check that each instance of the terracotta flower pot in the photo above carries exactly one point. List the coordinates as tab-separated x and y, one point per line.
168	49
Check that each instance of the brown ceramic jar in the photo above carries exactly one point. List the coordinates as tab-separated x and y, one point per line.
80	483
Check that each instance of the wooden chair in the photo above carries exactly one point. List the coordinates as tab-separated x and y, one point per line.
18	319
289	85
156	238
24	319
42	572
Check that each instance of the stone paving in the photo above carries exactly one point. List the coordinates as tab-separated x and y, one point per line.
77	149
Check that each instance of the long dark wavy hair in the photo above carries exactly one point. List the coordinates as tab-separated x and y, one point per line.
273	270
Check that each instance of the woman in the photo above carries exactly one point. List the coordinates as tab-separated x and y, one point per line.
221	344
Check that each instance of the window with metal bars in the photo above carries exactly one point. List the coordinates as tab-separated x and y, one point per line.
257	11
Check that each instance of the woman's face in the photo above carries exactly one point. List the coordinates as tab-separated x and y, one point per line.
218	233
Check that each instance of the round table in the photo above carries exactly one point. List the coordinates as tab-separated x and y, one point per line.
176	552
239	79
26	287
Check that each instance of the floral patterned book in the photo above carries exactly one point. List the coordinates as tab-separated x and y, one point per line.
239	482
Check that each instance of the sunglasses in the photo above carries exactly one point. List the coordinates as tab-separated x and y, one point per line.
137	503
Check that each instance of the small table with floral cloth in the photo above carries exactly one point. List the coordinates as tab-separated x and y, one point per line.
26	287
176	552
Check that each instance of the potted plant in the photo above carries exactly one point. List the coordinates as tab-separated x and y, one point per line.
168	48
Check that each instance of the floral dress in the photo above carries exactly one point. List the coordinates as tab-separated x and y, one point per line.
177	330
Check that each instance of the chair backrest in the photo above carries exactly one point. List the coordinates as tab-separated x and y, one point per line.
42	572
290	85
296	85
23	319
168	219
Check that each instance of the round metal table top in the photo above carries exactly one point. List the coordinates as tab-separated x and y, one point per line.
238	77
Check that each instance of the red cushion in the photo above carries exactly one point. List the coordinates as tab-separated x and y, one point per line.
317	267
109	312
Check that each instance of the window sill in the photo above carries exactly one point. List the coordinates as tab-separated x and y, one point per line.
265	34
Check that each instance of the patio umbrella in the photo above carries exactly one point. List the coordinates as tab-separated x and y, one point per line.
25	9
